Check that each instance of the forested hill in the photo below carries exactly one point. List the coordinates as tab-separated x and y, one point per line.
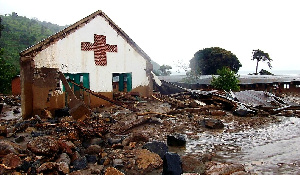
20	33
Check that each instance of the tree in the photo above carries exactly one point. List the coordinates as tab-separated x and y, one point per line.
265	72
7	71
164	69
209	60
1	26
259	55
227	80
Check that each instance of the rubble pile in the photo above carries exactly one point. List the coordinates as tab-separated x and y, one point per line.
115	140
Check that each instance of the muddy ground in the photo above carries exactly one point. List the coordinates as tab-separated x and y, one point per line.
115	140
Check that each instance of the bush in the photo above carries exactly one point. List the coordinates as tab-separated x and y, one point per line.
227	80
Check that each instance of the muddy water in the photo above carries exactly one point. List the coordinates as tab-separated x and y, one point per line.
274	149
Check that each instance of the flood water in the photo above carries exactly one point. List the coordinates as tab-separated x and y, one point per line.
273	149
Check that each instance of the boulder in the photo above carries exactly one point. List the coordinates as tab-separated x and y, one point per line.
159	148
224	168
147	160
80	163
212	123
6	147
11	160
113	171
172	164
192	164
176	140
93	149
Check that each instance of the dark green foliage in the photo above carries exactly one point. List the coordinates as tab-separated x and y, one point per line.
209	60
259	55
227	80
7	72
265	72
20	33
16	34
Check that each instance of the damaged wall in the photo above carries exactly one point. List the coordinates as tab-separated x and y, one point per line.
95	47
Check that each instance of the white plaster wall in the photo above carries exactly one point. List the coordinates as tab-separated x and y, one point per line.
66	54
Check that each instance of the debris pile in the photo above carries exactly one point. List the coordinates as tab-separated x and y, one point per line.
116	140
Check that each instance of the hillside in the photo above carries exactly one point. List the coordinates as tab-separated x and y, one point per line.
20	33
16	34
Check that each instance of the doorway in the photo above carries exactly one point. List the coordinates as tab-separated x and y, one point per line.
122	82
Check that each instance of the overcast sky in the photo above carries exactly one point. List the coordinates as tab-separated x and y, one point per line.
171	30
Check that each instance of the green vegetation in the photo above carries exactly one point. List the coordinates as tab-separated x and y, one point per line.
259	55
227	80
164	70
17	34
265	72
209	60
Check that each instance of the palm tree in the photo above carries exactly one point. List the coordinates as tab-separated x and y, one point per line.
260	55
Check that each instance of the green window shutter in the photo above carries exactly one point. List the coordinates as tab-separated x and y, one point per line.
76	80
121	82
129	82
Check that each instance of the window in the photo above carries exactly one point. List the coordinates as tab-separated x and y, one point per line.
286	86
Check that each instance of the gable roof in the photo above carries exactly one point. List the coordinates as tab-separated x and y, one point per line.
35	49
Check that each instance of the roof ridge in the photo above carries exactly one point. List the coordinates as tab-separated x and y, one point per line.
35	49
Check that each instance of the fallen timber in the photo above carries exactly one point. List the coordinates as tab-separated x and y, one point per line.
118	103
241	103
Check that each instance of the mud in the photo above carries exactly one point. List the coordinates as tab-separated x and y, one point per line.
111	140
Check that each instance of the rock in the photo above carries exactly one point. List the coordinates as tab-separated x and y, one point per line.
25	166
93	149
6	147
20	139
64	158
114	141
80	163
11	160
63	167
10	132
46	167
213	123
44	145
66	146
172	164
97	141
176	140
112	171
91	158
3	130
118	163
146	159
217	113
192	164
220	168
75	155
159	148
96	169
139	137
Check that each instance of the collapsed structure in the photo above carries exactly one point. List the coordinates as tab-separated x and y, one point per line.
95	53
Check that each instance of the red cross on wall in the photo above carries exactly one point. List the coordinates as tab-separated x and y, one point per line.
100	48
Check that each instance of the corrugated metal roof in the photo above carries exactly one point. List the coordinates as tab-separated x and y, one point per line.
244	79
